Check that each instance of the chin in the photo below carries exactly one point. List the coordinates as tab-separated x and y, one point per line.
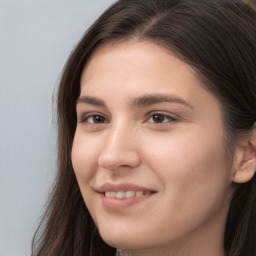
121	240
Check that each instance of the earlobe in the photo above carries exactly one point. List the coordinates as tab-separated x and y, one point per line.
245	172
246	165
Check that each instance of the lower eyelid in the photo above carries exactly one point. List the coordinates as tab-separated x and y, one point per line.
85	116
86	119
168	117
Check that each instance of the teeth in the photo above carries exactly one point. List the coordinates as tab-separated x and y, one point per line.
108	194
125	194
120	194
112	194
130	194
139	193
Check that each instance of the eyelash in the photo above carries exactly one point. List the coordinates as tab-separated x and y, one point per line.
164	117
86	117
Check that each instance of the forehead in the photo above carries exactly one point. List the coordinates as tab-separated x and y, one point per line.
133	68
123	64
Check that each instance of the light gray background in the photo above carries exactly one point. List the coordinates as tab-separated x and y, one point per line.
36	37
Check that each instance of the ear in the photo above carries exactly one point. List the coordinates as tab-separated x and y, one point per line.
245	165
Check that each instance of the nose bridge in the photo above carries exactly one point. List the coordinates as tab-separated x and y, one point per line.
119	148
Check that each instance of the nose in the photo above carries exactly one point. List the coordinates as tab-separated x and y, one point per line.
120	149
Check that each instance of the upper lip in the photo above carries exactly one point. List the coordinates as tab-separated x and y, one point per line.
122	187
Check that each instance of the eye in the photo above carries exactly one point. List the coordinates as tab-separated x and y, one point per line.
161	118
95	119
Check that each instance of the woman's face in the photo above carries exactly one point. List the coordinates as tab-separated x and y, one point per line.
149	152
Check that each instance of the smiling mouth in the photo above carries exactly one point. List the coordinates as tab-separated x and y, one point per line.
126	194
122	195
120	200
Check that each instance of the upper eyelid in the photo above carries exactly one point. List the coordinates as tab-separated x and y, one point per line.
170	119
82	115
86	115
164	113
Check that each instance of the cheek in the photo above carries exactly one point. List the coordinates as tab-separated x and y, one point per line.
83	155
194	180
192	171
186	153
84	161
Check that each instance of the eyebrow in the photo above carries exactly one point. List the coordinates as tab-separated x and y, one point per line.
151	99
91	100
142	101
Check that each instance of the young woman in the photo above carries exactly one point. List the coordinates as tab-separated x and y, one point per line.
157	142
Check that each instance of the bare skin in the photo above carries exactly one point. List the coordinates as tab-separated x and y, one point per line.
146	122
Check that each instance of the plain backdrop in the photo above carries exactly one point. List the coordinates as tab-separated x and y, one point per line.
36	38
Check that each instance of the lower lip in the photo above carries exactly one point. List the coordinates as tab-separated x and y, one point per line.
110	202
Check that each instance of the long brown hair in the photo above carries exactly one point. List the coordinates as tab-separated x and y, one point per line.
217	38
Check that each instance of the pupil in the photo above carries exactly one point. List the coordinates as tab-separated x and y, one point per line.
98	119
158	118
